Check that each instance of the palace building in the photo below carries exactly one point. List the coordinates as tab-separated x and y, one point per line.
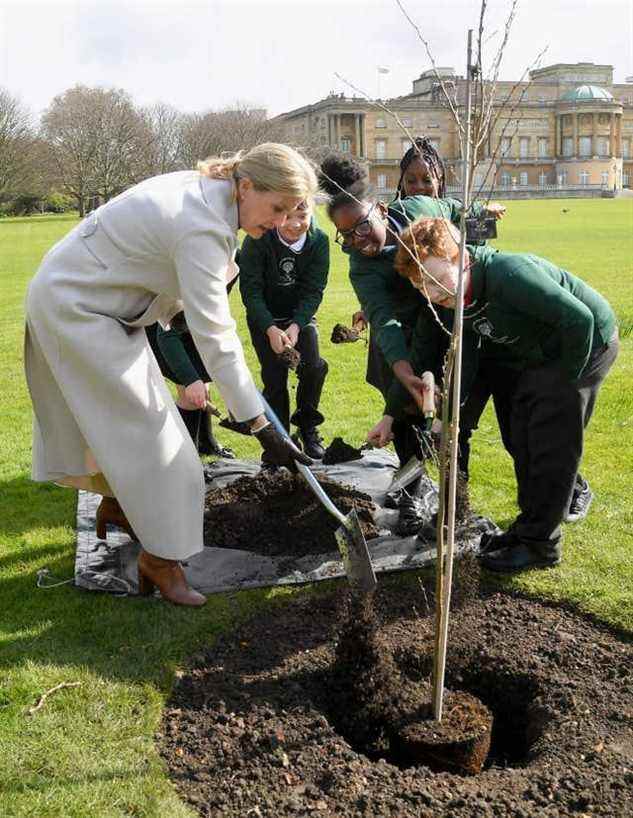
568	130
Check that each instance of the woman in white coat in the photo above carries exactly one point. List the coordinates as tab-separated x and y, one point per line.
104	419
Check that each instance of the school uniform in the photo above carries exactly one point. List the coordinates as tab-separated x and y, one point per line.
391	308
282	284
544	341
101	405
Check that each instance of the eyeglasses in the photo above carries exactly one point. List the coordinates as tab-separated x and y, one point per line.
359	231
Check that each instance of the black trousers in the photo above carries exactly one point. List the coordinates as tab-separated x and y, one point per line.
311	374
542	416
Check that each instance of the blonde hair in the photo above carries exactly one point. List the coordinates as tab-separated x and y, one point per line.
424	238
270	166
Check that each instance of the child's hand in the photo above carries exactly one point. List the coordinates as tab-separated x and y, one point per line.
381	434
292	334
359	322
496	209
196	394
278	339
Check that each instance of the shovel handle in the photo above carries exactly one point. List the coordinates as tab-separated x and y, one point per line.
428	395
304	471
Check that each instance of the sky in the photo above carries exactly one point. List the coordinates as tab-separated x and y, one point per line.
281	55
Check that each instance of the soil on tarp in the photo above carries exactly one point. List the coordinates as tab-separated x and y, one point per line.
340	452
275	513
258	725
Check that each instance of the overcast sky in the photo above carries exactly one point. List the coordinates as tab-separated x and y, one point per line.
280	55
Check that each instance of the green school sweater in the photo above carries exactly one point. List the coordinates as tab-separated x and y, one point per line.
523	312
279	285
388	300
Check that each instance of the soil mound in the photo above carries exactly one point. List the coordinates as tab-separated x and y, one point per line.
255	727
340	452
276	513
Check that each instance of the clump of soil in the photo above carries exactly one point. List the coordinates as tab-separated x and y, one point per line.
290	357
387	716
276	513
340	452
344	335
253	727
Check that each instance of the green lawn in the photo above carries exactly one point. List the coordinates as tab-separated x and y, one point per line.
89	750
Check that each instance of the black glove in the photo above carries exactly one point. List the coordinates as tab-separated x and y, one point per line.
280	450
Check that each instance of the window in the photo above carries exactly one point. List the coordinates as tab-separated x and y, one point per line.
523	178
406	121
506	144
562	178
478	179
584	146
603	146
346	145
568	146
583	178
626	148
381	148
406	144
543	146
381	181
625	179
505	180
524	147
604	178
542	179
380	123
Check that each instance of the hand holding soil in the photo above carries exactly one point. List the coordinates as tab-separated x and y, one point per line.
344	335
290	357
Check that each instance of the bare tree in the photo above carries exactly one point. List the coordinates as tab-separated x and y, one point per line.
98	142
238	127
16	141
163	128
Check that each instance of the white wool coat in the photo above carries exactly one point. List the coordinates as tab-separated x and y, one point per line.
100	402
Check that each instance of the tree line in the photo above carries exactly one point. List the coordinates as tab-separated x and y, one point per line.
92	143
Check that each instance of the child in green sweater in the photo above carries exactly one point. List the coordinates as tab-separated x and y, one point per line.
546	341
282	279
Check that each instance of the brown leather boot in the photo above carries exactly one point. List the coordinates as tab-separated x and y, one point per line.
168	577
110	512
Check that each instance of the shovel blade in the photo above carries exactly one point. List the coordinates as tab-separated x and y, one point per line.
412	469
355	554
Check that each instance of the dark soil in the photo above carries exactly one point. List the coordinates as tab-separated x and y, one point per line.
262	724
290	357
276	513
344	335
340	452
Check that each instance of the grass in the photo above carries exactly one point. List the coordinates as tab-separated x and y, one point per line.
89	751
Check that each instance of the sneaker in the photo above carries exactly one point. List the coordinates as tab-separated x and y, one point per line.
580	502
312	445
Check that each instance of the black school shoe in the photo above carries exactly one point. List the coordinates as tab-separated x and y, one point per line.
579	506
522	556
495	542
312	445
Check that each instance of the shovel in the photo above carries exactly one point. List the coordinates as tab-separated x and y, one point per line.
349	536
414	467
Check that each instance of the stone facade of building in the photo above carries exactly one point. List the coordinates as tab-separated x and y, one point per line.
569	127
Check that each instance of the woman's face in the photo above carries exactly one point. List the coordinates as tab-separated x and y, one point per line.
418	180
440	285
361	226
260	211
